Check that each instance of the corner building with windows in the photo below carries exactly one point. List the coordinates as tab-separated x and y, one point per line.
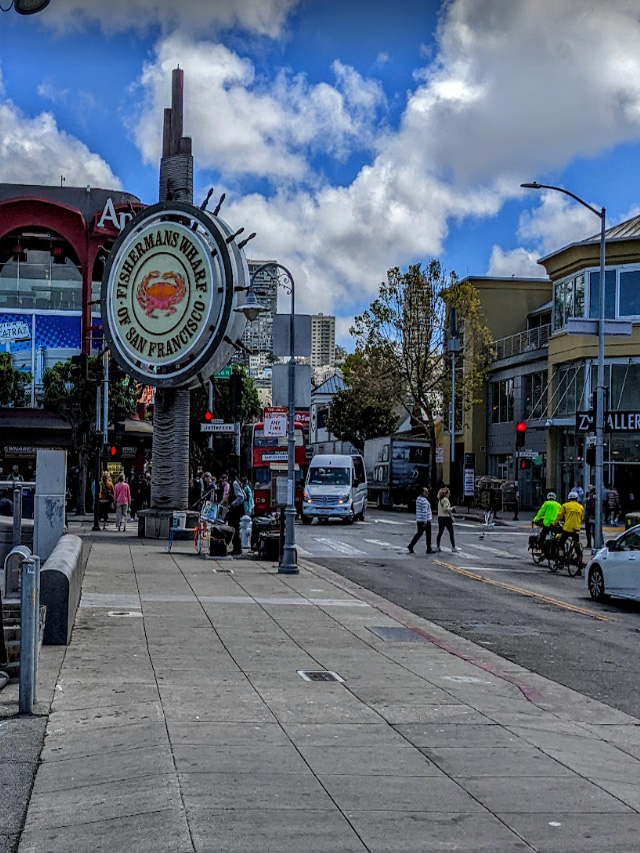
542	376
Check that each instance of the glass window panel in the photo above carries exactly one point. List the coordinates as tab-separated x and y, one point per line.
495	402
578	297
527	394
509	394
630	293
503	404
558	306
625	386
568	299
609	294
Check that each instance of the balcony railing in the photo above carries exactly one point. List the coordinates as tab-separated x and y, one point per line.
521	342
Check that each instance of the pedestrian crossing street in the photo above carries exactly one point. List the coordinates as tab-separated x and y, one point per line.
388	539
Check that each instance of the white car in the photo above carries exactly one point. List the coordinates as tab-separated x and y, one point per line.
615	569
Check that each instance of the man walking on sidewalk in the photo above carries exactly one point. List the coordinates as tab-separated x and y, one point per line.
423	521
236	511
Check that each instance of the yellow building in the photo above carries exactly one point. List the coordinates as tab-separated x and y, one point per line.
541	376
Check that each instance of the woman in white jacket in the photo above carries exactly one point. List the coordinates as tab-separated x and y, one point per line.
423	521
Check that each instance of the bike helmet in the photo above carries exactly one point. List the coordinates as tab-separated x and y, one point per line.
573	495
551	496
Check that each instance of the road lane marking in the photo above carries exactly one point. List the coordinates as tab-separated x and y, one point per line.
487	548
340	547
526	592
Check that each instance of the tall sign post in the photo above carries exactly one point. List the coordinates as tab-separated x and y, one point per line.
170	287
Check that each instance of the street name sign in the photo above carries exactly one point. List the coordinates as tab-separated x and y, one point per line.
213	427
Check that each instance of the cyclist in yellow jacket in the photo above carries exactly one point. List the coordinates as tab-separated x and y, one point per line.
547	515
570	517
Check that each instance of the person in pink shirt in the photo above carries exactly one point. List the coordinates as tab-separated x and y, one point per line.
122	497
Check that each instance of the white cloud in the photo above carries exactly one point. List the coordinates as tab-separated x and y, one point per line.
47	89
261	17
33	150
518	263
512	90
246	126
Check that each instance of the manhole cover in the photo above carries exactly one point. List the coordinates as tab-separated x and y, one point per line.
131	614
397	635
319	675
503	630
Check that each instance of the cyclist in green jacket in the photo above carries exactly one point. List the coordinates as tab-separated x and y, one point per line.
547	515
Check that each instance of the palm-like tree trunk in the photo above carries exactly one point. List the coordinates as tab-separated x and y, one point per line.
169	473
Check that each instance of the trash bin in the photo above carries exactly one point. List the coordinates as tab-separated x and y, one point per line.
631	519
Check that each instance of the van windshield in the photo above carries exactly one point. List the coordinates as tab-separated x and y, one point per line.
329	477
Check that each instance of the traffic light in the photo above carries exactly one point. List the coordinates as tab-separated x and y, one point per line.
521	430
208	416
590	456
115	453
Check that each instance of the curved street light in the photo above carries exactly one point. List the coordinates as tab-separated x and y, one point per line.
27	7
251	309
599	479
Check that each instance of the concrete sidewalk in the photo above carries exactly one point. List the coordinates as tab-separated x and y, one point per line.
180	723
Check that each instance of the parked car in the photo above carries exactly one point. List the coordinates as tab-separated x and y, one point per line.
615	569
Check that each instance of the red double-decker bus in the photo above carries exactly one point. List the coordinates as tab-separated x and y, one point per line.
269	456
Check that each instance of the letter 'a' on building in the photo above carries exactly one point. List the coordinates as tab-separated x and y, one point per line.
168	293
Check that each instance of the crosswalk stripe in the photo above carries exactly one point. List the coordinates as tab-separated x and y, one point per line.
386	544
340	547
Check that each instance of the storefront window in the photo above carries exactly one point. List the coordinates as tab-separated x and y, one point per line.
36	281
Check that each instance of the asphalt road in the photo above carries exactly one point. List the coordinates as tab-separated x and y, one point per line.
493	594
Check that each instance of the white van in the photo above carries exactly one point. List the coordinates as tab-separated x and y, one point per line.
336	487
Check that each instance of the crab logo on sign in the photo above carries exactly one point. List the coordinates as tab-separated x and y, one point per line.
168	293
161	293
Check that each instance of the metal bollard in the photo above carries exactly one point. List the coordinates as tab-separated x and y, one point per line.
29	633
17	515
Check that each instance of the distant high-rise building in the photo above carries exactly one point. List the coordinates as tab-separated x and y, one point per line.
323	340
258	335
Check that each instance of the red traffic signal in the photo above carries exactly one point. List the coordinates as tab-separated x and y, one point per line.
113	451
208	416
521	427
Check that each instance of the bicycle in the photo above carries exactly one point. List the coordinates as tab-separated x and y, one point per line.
567	555
535	548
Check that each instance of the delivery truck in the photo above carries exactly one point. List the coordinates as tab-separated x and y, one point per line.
397	469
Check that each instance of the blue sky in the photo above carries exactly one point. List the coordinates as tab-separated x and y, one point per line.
352	136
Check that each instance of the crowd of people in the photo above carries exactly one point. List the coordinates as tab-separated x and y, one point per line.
230	494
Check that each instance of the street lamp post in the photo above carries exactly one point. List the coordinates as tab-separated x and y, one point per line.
251	309
599	478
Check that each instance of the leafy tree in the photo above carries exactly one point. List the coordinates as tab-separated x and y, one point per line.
353	419
250	410
404	333
12	383
73	397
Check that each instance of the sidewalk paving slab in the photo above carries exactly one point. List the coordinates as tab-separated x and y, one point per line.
186	726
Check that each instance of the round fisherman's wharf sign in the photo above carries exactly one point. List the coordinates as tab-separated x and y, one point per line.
168	292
